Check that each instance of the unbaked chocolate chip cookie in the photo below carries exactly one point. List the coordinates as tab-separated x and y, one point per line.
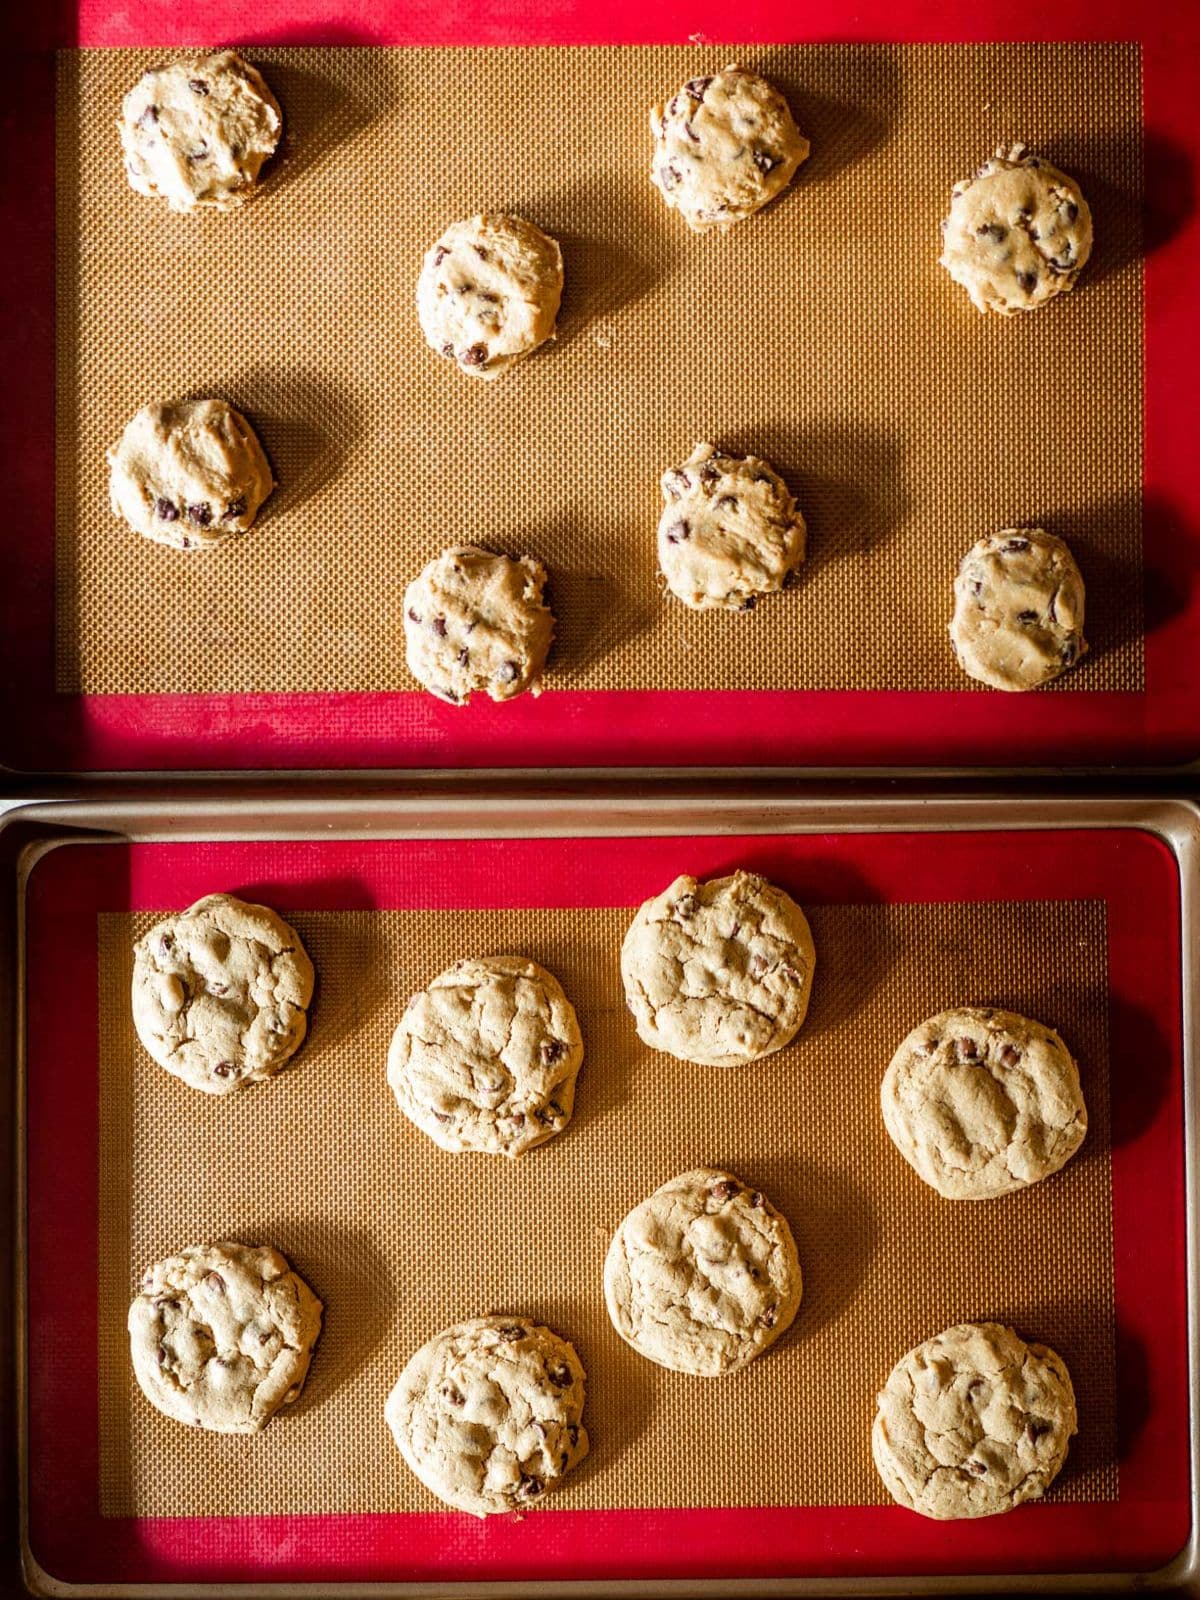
220	993
703	1275
1018	609
486	1058
724	146
189	475
197	132
730	531
489	293
1019	232
474	623
489	1414
221	1336
981	1103
973	1422
718	972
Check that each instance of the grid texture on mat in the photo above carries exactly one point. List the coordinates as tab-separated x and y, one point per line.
400	1238
821	335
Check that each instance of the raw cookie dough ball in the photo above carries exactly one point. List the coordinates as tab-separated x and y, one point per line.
981	1103
221	1336
198	132
1018	609
718	972
474	622
489	1414
189	475
703	1275
220	993
1019	232
973	1422
489	292
723	147
486	1058
730	531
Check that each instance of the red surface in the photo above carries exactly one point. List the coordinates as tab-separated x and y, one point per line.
1134	873
92	732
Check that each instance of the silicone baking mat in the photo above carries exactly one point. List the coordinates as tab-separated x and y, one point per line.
822	334
766	1473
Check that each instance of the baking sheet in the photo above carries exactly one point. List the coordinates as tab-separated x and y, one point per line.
822	335
400	1238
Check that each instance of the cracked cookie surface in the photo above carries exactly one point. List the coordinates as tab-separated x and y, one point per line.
982	1102
489	293
1018	234
730	530
197	132
973	1422
724	146
703	1275
220	993
1018	610
189	475
221	1336
487	1056
489	1414
474	623
719	972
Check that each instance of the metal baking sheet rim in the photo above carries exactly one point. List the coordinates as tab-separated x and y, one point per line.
31	830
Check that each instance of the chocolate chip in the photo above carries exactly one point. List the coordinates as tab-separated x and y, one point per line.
764	162
1063	263
529	1487
511	1332
966	1049
235	508
217	988
198	154
1069	653
1027	281
756	1201
727	502
668	177
697	87
200	514
996	231
185	544
166	943
1070	210
768	1318
439	626
678	531
412	615
709	473
442	1116
148	116
1016	544
977	1469
749	603
448	351
484	255
559	1376
215	1282
691	133
454	1395
1009	1055
552	1051
1027	616
677	483
517	1119
508	672
977	588
1035	1429
439	255
489	299
464	657
224	1069
475	356
725	1190
167	511
197	86
758	965
556	1111
264	1335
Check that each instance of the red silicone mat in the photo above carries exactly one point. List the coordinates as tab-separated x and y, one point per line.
1159	724
1131	874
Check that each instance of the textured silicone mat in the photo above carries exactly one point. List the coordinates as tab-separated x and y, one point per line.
400	1238
822	335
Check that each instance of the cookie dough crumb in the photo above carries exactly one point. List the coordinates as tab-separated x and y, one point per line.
730	531
474	622
197	133
489	293
1018	609
724	146
1019	233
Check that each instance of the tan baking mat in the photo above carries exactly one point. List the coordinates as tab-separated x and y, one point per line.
821	335
400	1238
